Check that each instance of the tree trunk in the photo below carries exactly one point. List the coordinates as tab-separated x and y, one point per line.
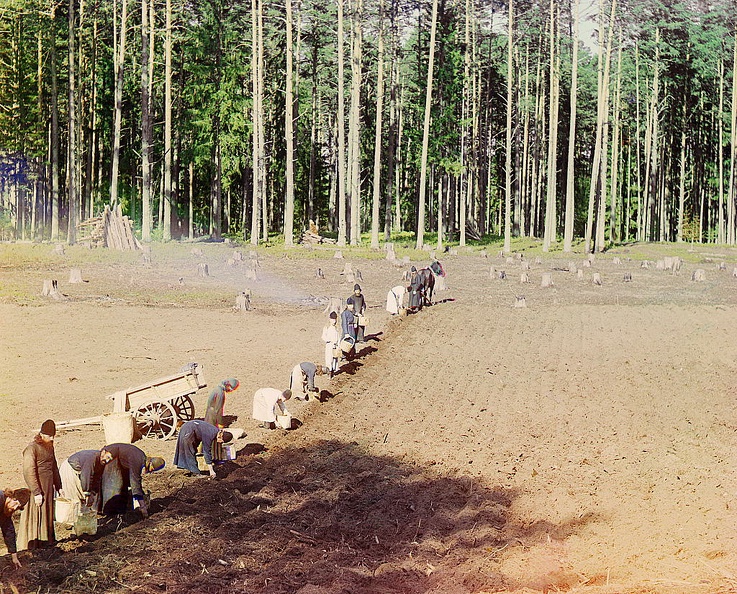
146	127
289	134
54	133
549	236
508	158
571	174
167	127
355	122
341	131
426	130
73	157
378	130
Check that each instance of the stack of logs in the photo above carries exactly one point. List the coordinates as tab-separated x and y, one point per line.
111	229
311	236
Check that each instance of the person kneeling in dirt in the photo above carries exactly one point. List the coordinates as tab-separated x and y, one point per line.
191	435
81	475
10	502
266	401
122	473
302	380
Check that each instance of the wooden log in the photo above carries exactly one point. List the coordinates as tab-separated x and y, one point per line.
75	276
547	279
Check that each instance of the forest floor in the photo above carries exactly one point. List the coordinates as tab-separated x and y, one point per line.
584	443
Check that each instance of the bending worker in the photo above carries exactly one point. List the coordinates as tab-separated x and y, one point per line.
124	470
266	401
302	380
191	435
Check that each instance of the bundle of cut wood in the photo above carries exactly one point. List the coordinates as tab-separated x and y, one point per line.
112	230
311	237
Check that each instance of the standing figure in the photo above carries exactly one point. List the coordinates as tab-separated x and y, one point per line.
191	435
302	379
36	527
348	327
359	307
331	338
123	473
10	502
216	401
265	403
81	475
415	291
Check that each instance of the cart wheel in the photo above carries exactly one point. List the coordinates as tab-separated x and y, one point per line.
184	407
156	420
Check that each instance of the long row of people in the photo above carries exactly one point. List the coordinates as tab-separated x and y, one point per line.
109	480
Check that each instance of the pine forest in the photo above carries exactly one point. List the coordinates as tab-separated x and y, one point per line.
578	123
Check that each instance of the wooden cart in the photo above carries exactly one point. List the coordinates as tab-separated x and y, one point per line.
157	406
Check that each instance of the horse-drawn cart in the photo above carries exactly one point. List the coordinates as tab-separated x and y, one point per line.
156	406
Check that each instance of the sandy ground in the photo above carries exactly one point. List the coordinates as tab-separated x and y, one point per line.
582	443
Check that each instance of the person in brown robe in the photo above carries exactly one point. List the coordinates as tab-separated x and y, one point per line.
36	526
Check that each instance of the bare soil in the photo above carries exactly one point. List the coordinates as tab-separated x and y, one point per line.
584	443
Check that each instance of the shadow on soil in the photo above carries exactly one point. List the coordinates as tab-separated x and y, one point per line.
327	514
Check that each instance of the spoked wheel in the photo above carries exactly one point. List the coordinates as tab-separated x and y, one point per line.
184	407
156	420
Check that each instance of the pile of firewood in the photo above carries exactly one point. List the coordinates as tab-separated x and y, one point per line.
111	229
312	236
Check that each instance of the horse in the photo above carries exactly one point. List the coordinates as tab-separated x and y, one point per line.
427	276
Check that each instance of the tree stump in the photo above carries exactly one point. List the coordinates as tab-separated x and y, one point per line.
677	262
627	277
492	272
338	255
524	278
660	265
50	287
616	261
645	264
335	304
547	280
668	263
440	284
597	279
520	301
320	274
203	270
243	301
510	260
75	276
538	261
238	256
591	258
350	278
572	267
525	265
587	263
734	272
359	276
196	252
698	275
502	275
59	249
146	258
579	274
390	253
406	276
722	266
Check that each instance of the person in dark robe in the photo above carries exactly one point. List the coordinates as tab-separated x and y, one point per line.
81	475
415	290
191	435
10	502
359	308
216	401
123	473
348	325
41	472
